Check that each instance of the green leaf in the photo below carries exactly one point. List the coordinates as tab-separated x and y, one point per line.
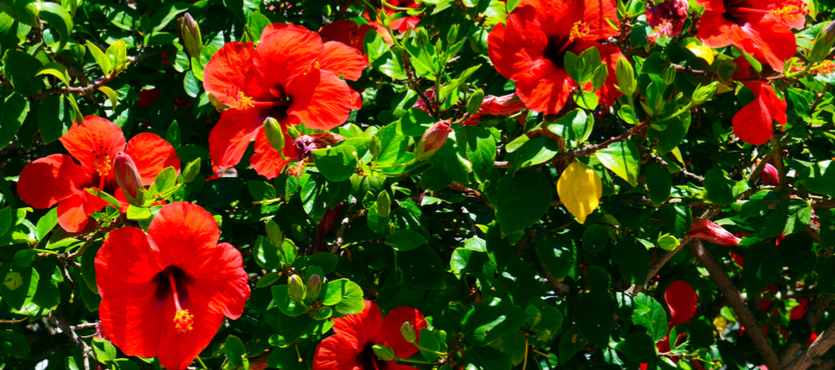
14	343
55	118
21	68
336	164
593	317
623	159
14	111
164	182
789	216
23	11
101	59
535	151
55	69
104	196
421	268
484	324
393	146
19	284
676	219
60	19
674	131
405	240
488	358
111	95
596	238
522	199
45	224
104	350
117	55
648	313
718	188
345	296
235	350
762	266
638	347
557	256
817	178
415	122
632	259
659	184
163	16
428	344
586	100
797	253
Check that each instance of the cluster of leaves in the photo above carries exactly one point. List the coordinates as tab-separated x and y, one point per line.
575	237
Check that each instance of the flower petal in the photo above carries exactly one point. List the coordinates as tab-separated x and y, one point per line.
152	154
231	72
327	105
391	336
597	15
223	284
343	60
345	31
95	137
682	300
360	327
548	93
74	212
178	350
337	352
266	161
517	46
49	180
185	235
232	134
752	124
286	52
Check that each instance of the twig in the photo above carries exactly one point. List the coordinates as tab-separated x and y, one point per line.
86	351
813	354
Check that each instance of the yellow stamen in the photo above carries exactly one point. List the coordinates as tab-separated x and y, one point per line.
826	67
102	165
579	30
787	13
183	321
310	67
297	170
242	101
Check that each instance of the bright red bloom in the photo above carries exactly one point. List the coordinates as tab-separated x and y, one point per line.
350	33
753	123
57	179
709	231
495	106
400	24
350	348
530	48
293	77
761	28
770	175
165	293
682	301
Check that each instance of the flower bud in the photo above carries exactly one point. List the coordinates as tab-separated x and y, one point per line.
383	204
191	171
296	287
375	146
599	76
422	37
190	32
382	352
626	76
829	31
127	176
408	332
770	175
705	93
433	139
709	231
474	103
452	34
314	284
275	134
670	75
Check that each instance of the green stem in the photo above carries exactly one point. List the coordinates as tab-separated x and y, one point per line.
415	361
201	363
681	111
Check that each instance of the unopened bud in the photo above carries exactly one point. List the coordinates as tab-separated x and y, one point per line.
705	93
375	146
829	31
192	40
452	34
709	231
314	284
296	287
599	77
670	75
408	332
422	37
275	134
127	176
274	234
626	76
191	171
770	175
382	352
474	103
433	139
383	204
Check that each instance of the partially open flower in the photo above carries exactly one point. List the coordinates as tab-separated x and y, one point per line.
306	144
769	175
127	176
709	231
433	139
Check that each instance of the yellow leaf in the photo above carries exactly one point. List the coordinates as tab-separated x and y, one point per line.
701	51
580	189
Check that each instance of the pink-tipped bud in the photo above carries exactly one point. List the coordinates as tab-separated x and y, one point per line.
434	138
769	175
667	18
306	144
709	231
127	176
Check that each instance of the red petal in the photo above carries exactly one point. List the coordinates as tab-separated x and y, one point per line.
286	52
518	46
713	5
753	123
546	94
391	336
682	300
761	37
266	161
178	350
232	134
337	352
152	154
326	106
50	180
223	285
74	212
361	327
125	266
231	72
346	32
185	235
343	61
96	136
596	15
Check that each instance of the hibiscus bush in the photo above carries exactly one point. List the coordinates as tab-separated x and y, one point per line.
416	185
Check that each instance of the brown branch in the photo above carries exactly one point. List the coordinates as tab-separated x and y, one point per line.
86	351
813	354
731	293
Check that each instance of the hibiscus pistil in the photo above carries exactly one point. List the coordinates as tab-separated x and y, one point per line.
579	30
787	13
183	320
242	102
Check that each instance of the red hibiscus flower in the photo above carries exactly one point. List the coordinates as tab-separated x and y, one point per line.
761	28
493	106
710	231
165	293
351	34
753	123
351	347
530	48
293	77
402	24
57	179
682	301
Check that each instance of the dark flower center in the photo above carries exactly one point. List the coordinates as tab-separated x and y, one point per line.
736	11
368	360
181	279
555	49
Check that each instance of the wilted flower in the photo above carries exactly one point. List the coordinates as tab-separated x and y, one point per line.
709	231
667	18
306	144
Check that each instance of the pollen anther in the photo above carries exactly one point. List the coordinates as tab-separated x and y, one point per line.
579	30
788	12
183	321
102	165
242	101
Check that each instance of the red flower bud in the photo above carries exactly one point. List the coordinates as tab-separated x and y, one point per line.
769	175
434	138
127	176
709	231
